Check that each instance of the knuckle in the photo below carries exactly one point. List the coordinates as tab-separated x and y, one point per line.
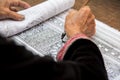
93	16
94	24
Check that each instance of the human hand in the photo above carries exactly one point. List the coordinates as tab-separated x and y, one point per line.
7	9
82	21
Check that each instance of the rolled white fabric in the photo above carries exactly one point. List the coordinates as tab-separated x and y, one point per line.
35	15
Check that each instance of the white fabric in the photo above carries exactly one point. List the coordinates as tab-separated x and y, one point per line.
45	38
35	15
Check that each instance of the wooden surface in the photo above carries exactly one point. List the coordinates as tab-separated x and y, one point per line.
107	11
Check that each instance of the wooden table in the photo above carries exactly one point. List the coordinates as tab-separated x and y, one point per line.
107	11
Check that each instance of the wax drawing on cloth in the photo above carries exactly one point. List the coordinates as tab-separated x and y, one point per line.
46	39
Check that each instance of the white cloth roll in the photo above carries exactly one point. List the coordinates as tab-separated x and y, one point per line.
35	15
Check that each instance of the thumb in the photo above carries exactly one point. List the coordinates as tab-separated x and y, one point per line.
15	16
83	14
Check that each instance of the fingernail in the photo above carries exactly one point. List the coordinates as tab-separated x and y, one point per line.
86	8
21	18
27	6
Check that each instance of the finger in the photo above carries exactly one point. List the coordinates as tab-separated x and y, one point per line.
83	14
24	4
91	19
71	14
20	3
72	10
14	15
91	31
91	28
13	9
91	22
91	14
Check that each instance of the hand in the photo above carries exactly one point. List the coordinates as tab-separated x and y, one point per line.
7	9
82	21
